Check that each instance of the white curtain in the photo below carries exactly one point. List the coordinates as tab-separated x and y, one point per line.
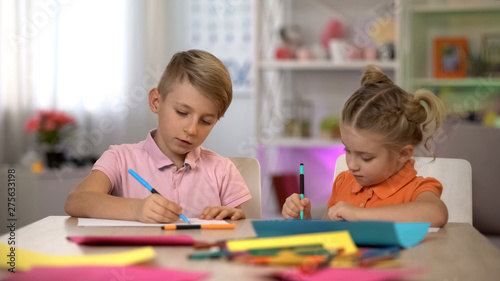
12	75
96	60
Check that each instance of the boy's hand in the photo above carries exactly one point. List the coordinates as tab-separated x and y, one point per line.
157	209
293	205
219	213
344	211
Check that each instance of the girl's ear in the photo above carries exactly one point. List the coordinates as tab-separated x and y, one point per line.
406	153
154	100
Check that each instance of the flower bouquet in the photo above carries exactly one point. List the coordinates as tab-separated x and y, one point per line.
51	127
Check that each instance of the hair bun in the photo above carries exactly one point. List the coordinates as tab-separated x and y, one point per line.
374	75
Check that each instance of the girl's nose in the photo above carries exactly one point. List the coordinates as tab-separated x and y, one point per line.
351	164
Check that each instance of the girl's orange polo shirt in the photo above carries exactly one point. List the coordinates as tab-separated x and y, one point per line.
403	187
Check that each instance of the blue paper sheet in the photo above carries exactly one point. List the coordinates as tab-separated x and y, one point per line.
364	233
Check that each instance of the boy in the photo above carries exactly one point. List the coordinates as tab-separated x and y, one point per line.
194	92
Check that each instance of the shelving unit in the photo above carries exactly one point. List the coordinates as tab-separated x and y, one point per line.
325	83
464	82
432	19
454	6
302	143
358	65
322	83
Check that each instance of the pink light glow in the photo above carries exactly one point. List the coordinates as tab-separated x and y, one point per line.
319	169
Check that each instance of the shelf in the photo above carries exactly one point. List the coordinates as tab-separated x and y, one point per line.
447	7
303	142
327	82
324	65
464	82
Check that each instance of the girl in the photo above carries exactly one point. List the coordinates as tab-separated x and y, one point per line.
380	127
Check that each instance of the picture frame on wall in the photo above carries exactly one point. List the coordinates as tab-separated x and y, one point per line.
450	57
491	47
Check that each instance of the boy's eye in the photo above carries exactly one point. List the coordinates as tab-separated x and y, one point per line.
204	122
181	113
367	159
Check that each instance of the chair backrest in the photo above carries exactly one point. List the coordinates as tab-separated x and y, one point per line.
454	174
249	169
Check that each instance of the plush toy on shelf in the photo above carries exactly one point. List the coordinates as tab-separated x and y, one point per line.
291	36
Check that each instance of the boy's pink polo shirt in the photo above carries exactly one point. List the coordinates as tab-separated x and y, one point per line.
207	179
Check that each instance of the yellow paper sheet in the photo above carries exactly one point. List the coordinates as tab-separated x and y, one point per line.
329	240
24	259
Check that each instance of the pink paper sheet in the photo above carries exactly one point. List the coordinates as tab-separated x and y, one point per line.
358	274
104	273
172	240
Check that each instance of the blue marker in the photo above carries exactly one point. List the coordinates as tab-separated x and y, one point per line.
150	188
301	187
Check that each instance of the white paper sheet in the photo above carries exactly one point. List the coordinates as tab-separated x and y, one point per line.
103	222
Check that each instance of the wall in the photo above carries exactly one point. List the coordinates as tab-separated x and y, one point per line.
163	27
211	23
234	134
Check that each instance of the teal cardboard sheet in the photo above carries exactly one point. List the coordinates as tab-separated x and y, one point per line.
364	233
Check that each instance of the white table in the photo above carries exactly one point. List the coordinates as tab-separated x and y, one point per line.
456	252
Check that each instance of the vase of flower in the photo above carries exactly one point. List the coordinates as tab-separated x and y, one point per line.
54	159
51	127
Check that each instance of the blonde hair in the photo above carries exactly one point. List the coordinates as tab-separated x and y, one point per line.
204	71
379	106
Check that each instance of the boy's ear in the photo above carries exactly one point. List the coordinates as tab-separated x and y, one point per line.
406	153
154	100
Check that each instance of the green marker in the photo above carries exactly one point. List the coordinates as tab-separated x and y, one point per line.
301	187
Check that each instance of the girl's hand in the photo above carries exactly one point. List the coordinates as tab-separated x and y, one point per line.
157	209
344	211
293	205
222	212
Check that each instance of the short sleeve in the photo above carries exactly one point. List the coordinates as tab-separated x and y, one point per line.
234	190
109	164
337	183
428	184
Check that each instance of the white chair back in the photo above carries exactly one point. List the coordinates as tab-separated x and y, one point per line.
454	174
249	169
